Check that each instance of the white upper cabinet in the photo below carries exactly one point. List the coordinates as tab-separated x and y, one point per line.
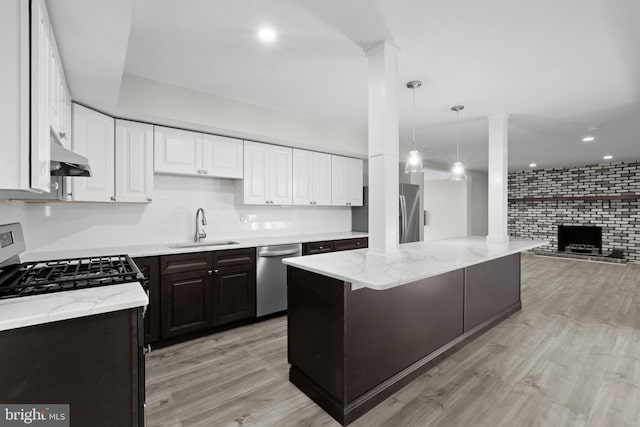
14	98
338	181
311	178
177	151
41	78
134	162
346	181
280	174
191	153
34	93
222	156
93	137
256	174
267	174
354	182
59	99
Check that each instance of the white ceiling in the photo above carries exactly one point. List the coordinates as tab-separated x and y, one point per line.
557	67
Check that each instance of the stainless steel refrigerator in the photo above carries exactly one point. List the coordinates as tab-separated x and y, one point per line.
409	218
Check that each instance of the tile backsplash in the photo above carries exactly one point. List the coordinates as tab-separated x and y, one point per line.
170	218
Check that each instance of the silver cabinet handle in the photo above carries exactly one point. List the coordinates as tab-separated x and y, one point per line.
113	199
310	203
210	273
147	349
62	134
266	201
215	271
149	199
199	171
206	172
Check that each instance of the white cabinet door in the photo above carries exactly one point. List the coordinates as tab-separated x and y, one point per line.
311	178
321	179
346	181
177	151
134	162
222	156
40	78
256	173
338	181
280	173
93	137
302	177
354	182
14	98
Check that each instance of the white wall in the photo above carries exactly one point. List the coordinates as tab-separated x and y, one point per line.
477	203
170	218
446	205
149	100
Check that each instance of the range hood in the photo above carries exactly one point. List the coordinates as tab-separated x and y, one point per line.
65	162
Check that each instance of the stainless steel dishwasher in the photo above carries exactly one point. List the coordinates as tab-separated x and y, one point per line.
271	277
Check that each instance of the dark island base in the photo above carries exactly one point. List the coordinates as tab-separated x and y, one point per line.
350	350
346	414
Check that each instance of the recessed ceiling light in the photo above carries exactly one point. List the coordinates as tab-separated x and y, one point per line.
267	34
608	157
532	165
588	138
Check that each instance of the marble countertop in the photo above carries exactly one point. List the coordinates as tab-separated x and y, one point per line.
37	309
418	260
165	249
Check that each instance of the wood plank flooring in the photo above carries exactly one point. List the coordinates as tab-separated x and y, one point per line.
571	357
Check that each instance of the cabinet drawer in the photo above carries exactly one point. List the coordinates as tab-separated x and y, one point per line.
317	247
348	244
233	257
185	262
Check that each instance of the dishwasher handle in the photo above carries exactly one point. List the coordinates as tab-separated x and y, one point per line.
269	253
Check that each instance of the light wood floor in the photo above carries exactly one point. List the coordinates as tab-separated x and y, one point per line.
571	357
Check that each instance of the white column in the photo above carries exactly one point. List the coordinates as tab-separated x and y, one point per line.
383	152
498	168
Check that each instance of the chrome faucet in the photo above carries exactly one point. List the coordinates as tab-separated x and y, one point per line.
200	233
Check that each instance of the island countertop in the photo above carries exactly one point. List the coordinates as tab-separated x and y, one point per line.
418	260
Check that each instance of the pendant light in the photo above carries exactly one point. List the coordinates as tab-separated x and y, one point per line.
457	170
414	160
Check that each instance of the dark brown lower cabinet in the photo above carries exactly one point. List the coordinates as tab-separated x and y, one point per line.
90	363
187	304
234	294
206	290
150	269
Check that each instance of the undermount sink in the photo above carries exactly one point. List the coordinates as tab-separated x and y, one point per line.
203	243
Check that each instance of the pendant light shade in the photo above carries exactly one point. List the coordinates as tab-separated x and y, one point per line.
414	160
457	170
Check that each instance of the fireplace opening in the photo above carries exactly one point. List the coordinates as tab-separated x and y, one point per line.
580	239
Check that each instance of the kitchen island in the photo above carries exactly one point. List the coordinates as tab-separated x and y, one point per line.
359	330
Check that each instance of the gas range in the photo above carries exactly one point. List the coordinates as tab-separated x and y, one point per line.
34	278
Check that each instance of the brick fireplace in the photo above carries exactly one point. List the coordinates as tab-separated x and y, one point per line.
603	198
